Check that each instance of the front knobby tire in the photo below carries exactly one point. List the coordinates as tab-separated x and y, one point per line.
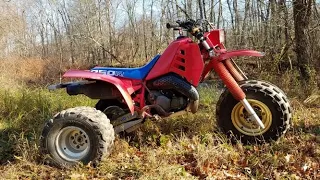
77	135
269	102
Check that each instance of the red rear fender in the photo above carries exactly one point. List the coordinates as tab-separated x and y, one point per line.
123	85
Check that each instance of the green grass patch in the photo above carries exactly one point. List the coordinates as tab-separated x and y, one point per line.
22	116
26	109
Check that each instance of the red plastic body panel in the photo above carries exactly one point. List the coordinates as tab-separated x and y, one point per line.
230	54
216	64
227	55
182	57
213	37
125	86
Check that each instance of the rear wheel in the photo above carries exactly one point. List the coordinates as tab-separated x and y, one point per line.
81	134
270	104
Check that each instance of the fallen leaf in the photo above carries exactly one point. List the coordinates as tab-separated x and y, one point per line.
276	175
247	170
287	157
305	167
230	175
76	176
294	176
191	146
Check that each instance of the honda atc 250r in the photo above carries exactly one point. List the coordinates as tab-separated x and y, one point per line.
248	110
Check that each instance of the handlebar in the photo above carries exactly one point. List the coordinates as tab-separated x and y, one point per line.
182	24
169	26
192	26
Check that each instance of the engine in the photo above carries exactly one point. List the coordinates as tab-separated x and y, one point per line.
172	93
168	100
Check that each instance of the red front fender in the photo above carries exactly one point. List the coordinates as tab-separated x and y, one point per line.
229	54
123	85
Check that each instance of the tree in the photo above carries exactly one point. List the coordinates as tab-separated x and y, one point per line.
302	14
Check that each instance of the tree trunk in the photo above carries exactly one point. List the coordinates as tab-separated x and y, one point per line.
201	9
301	15
219	14
212	14
144	31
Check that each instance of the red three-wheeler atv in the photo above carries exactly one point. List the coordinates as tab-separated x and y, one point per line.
251	111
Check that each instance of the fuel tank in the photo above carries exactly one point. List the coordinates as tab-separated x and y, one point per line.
182	57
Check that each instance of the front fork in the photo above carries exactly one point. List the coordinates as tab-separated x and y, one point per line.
230	74
230	80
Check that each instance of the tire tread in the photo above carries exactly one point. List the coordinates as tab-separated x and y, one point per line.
267	89
95	118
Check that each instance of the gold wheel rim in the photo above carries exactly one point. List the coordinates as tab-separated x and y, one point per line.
239	117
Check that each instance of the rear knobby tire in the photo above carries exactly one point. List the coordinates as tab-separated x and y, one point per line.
271	105
77	135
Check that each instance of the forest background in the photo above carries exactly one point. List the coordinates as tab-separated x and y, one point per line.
41	39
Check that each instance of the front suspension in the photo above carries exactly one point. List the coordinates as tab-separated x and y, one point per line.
235	90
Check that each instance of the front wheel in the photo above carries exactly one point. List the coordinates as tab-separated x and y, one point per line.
270	104
81	134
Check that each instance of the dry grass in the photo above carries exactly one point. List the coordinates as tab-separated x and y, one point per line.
186	147
16	72
36	72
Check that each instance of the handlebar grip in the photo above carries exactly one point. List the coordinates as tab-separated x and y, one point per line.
169	26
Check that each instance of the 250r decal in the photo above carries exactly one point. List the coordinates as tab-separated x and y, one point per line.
108	72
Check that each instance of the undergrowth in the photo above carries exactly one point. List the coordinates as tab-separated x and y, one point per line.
184	147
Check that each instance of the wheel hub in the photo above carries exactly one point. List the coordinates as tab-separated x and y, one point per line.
241	121
72	143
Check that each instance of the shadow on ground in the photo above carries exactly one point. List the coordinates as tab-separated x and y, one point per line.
311	129
6	146
16	144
